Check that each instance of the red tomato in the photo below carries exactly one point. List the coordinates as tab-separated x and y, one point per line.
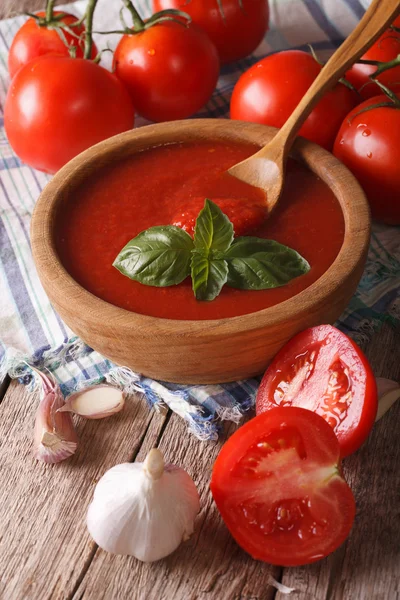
323	370
245	215
57	107
170	70
271	89
236	30
32	40
385	49
278	486
368	144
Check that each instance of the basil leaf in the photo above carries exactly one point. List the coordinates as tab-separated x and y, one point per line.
159	256
208	276
258	264
213	229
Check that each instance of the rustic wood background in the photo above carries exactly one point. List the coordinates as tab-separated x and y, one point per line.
10	8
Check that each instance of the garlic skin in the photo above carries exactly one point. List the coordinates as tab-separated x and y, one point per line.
388	394
95	402
54	435
143	510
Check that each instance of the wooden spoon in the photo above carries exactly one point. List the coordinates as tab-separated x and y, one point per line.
266	168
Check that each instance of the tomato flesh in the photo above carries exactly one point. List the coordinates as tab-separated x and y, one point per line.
385	49
236	27
270	90
32	41
322	370
278	487
170	70
367	143
56	107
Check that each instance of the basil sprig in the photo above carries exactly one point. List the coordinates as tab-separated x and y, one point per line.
166	255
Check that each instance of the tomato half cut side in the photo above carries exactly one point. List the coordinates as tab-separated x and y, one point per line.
278	486
323	370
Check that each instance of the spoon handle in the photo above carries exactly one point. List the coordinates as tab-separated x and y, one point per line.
378	17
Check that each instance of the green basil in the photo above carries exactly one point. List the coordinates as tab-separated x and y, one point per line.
258	264
213	229
159	256
164	256
208	276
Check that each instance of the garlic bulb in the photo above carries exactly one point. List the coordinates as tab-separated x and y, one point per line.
95	402
54	436
143	509
388	393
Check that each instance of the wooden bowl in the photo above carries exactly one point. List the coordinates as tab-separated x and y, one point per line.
198	351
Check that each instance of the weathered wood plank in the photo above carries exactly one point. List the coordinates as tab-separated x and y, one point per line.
44	545
209	566
367	566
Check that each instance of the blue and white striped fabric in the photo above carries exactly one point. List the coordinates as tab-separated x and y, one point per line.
29	325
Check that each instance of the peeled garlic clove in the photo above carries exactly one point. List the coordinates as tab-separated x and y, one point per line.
54	435
143	509
388	393
95	402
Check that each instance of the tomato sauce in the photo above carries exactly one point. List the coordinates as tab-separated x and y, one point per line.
154	186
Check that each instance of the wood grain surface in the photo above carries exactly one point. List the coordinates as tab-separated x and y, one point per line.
47	554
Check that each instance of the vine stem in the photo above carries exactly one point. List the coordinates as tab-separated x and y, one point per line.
138	23
89	29
49	10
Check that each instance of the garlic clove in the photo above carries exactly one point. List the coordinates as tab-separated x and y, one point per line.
54	435
388	393
95	402
143	509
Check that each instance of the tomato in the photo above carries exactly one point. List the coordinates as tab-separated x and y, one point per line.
324	371
56	107
169	69
385	49
236	29
368	144
33	40
244	214
278	486
271	89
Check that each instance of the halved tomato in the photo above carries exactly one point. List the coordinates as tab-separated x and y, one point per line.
278	486
323	370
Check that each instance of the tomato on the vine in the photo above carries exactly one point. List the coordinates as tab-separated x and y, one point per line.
324	371
278	486
235	26
385	49
368	144
271	89
170	70
34	39
56	107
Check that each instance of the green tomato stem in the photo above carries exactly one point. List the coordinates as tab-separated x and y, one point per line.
138	23
89	29
49	10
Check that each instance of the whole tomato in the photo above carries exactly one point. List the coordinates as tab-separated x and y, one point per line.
56	107
271	89
170	69
385	49
235	26
34	39
368	144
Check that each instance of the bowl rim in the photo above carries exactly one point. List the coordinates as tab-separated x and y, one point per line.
321	162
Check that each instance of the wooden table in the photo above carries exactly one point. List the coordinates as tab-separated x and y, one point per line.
46	551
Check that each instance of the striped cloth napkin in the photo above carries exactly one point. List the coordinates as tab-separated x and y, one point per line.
30	330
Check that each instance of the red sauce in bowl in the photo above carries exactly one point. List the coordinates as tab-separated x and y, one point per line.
151	188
